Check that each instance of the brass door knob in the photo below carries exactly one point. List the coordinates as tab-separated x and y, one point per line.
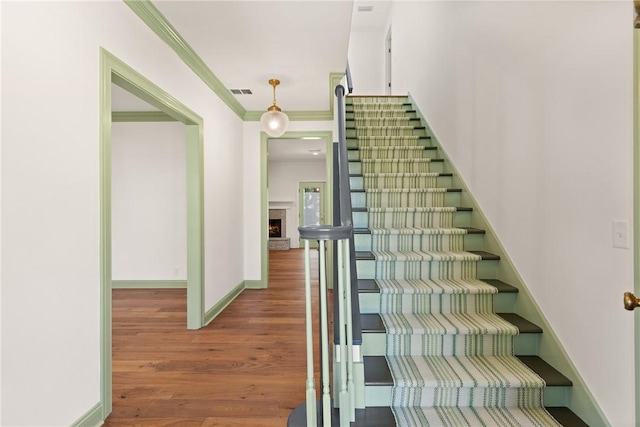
630	301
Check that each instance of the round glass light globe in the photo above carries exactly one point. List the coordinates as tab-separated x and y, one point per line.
274	123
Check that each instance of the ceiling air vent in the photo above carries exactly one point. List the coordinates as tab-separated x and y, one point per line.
241	91
366	8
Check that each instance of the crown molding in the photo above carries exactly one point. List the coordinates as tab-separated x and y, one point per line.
155	20
294	116
159	24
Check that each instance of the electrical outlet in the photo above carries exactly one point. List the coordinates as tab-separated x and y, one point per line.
621	234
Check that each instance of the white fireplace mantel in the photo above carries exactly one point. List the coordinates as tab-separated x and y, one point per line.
274	204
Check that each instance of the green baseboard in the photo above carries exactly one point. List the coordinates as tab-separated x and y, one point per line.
254	284
148	284
223	303
92	418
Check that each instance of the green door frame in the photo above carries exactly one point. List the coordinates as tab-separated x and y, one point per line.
114	71
323	204
264	198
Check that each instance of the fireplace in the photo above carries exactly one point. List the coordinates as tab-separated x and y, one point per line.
278	239
275	228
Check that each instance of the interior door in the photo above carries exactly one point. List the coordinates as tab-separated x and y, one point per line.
311	204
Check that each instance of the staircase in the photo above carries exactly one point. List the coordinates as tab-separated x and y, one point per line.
441	343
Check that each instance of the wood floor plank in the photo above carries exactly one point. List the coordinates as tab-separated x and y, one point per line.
245	369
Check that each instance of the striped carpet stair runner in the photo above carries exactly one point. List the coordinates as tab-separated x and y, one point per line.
451	357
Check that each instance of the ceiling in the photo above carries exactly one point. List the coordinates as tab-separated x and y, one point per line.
246	43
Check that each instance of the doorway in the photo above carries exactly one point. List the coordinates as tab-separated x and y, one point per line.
114	71
311	206
326	137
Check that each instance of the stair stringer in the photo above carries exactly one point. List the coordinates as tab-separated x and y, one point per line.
580	399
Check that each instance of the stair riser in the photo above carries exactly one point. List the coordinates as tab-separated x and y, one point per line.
350	115
469	242
355	168
356	143
359	200
353	133
379	395
460	219
400	120
370	302
375	344
357	183
367	269
388	154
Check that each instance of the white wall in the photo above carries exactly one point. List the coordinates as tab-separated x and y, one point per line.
533	102
50	195
367	60
284	178
149	201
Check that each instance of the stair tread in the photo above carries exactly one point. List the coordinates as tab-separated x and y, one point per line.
432	160
486	256
458	209
473	230
523	325
377	372
437	174
501	286
363	230
370	286
566	417
448	190
548	373
373	323
365	256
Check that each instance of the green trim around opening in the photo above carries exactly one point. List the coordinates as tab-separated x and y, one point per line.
141	116
264	200
114	71
148	284
223	303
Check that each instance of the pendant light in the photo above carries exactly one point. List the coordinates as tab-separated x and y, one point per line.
274	121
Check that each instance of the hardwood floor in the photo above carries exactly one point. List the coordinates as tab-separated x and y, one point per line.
246	368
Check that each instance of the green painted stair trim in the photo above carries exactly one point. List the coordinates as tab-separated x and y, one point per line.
582	401
218	308
141	116
92	418
148	284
